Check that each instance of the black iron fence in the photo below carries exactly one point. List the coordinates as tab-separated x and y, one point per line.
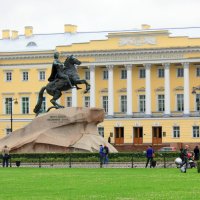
90	160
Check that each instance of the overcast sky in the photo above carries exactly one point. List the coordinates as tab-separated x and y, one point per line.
49	16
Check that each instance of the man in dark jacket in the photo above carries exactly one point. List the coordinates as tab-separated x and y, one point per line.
185	157
106	152
196	153
101	154
5	155
149	155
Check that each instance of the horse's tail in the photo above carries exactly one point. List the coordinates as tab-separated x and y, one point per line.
40	98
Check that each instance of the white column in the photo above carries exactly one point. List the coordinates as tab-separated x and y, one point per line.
129	89
167	88
186	89
148	89
110	90
74	97
92	86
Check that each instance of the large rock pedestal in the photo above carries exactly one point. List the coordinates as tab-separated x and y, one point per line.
62	130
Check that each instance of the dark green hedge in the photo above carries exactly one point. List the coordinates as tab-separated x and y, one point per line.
198	166
89	157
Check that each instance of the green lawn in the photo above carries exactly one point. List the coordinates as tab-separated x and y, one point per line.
99	184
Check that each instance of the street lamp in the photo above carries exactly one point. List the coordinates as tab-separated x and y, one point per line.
9	103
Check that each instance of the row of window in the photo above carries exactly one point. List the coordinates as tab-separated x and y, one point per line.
25	76
24	105
123	103
176	131
161	72
141	102
123	74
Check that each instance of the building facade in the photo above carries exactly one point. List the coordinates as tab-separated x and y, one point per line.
142	78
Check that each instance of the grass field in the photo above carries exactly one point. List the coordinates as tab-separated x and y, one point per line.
98	184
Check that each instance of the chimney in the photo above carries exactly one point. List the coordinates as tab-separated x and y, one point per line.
28	31
6	34
14	35
69	28
145	26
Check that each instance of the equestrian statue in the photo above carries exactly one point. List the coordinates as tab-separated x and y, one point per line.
62	78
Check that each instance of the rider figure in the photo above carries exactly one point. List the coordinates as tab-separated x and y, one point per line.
57	71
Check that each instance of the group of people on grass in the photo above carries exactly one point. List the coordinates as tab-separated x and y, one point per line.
103	153
185	155
188	156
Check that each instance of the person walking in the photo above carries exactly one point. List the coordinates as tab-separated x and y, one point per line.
196	153
109	139
149	155
6	156
101	154
106	152
185	158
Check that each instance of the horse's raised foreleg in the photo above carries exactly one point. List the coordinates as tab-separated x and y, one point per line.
82	81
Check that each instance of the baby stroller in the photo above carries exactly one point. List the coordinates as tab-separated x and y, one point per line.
191	164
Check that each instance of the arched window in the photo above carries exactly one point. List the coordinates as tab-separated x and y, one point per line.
31	44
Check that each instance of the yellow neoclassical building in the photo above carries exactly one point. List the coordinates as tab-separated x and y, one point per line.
143	78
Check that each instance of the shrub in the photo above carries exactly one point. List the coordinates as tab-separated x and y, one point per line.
88	157
198	166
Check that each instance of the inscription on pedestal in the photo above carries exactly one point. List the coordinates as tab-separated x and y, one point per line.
58	119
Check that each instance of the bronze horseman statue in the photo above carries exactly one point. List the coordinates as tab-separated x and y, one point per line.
62	78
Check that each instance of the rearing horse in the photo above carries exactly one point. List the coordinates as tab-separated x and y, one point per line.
55	87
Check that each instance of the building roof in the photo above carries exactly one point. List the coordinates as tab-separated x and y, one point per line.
191	32
43	42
